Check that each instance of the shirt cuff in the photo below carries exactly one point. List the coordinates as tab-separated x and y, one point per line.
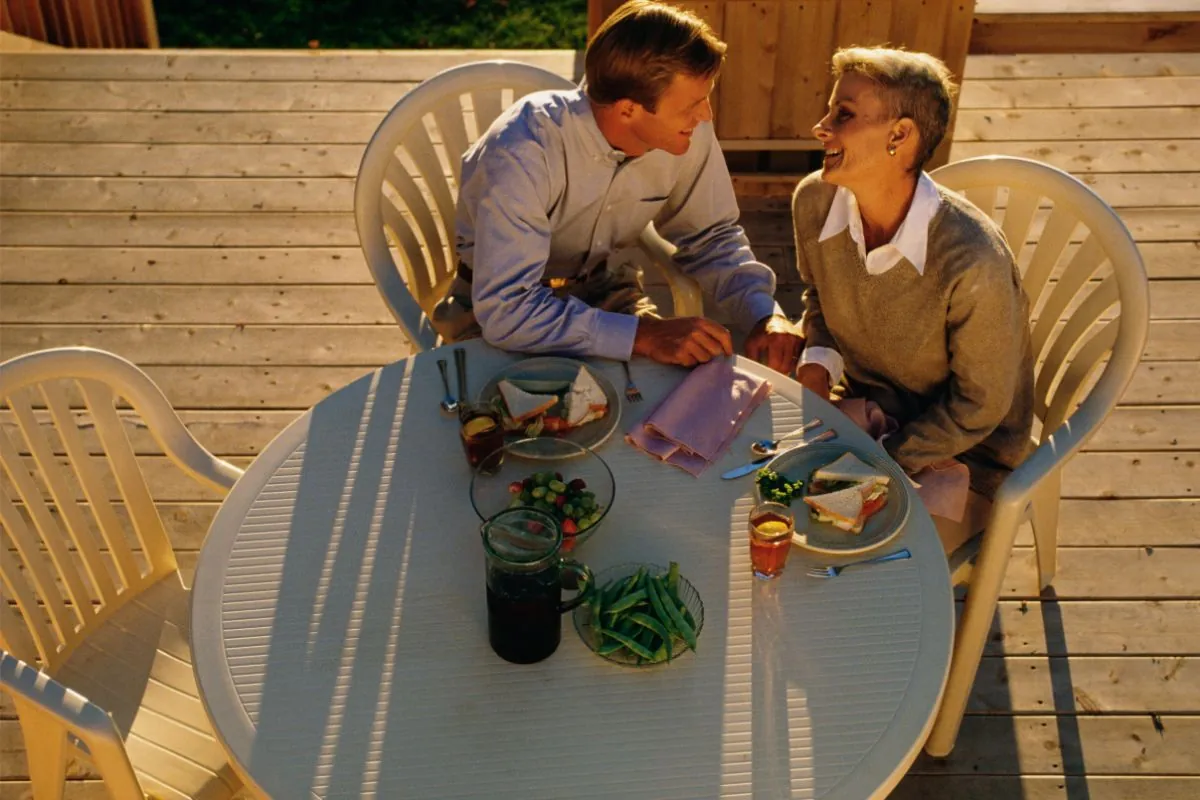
759	306
614	335
828	358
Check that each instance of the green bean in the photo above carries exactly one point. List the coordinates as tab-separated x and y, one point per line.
608	648
632	644
673	579
628	601
680	624
651	624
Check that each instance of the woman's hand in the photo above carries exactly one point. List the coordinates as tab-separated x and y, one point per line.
815	378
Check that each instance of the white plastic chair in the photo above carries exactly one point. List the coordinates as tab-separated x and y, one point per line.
1090	313
425	134
102	607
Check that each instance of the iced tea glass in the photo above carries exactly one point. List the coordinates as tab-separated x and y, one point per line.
771	529
482	436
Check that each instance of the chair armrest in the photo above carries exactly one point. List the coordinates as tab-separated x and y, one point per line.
686	296
48	712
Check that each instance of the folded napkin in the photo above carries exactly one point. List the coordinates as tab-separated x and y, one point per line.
695	423
943	487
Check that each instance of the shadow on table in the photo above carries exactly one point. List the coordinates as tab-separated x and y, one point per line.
378	675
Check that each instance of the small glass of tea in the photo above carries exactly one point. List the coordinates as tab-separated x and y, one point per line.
771	529
482	436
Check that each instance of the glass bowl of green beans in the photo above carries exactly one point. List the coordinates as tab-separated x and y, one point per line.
640	615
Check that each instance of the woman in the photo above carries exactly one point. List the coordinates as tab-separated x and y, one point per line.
914	300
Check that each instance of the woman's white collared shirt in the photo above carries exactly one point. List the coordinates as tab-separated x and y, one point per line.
910	242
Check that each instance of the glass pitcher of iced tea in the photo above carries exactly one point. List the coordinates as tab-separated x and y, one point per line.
525	579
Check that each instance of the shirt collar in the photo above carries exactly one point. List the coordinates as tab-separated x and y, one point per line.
597	145
911	240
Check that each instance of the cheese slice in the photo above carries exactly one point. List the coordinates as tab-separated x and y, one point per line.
585	401
522	405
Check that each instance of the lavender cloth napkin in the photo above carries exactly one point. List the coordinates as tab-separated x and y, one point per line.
942	487
694	424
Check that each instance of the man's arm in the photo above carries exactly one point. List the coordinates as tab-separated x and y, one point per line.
982	326
701	220
510	250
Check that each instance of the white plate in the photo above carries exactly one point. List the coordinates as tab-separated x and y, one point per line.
559	371
827	539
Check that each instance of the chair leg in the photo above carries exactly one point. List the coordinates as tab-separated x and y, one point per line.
45	750
1046	503
982	595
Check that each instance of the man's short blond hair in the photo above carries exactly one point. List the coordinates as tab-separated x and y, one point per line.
915	86
642	46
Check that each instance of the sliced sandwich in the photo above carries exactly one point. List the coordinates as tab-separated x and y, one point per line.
842	509
850	468
847	492
585	401
523	406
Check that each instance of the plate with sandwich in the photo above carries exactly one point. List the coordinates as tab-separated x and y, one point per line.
854	501
552	396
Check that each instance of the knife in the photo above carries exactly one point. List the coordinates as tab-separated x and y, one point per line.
756	464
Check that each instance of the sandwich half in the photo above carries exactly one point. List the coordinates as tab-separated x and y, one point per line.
522	405
585	401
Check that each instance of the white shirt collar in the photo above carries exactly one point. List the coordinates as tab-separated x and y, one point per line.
911	240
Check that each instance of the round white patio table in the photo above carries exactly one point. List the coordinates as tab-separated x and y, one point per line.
340	630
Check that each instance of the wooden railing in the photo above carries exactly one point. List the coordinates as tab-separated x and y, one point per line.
82	23
776	79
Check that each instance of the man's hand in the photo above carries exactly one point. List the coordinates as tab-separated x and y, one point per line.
815	378
775	342
685	341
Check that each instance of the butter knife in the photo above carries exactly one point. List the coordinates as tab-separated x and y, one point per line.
756	464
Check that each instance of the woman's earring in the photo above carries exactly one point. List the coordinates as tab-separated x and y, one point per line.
891	151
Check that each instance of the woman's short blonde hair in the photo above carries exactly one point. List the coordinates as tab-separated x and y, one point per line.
642	46
916	86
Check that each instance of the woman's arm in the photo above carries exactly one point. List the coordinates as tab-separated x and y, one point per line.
984	322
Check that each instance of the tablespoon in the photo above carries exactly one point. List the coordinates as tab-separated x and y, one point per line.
449	404
765	447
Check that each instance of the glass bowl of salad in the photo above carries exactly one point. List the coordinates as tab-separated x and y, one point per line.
558	476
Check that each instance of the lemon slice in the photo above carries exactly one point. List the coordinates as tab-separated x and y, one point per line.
478	426
772	527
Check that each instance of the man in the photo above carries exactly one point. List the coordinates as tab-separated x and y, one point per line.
564	179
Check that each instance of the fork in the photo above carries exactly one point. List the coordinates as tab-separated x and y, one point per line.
632	394
834	571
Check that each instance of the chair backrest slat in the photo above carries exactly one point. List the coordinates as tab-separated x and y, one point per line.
1018	216
1082	266
64	618
93	489
488	104
1050	245
452	125
35	503
435	236
130	480
419	148
15	636
417	269
45	639
1087	360
984	198
1079	322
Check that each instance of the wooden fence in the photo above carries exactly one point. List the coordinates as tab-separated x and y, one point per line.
776	83
82	23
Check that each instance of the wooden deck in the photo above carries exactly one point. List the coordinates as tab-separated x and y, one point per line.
192	211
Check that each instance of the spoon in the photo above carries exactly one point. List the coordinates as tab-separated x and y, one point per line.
449	404
767	446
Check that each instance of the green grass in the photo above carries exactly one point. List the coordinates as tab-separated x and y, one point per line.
516	24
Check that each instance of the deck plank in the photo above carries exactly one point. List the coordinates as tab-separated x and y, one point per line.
194	215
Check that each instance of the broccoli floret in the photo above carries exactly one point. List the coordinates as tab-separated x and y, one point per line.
776	488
